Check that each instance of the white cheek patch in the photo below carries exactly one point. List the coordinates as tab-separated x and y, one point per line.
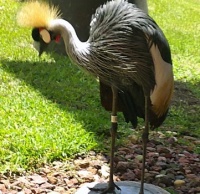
45	36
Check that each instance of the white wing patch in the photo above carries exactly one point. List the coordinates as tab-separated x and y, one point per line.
163	90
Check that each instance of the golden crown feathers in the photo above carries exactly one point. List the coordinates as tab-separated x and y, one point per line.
37	14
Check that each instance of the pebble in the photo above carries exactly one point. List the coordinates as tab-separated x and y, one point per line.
129	176
197	142
105	171
175	167
122	166
179	183
139	158
180	177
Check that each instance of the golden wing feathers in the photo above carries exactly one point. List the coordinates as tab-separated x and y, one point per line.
37	14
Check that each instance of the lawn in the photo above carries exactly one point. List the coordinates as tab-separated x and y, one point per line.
50	110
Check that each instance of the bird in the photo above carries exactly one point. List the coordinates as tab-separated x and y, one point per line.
126	50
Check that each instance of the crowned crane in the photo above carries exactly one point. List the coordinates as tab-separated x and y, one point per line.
126	50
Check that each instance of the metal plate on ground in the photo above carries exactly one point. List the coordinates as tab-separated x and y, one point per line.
127	187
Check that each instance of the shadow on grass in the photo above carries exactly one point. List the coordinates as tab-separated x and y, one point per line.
77	92
66	85
185	109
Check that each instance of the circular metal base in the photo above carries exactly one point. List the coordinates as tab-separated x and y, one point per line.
127	187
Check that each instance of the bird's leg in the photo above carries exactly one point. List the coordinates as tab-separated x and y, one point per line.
111	185
145	136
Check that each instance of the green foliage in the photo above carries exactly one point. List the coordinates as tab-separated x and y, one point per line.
50	110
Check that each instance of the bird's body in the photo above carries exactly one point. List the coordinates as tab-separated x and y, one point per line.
128	52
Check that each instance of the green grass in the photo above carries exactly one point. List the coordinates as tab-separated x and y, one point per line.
180	22
50	110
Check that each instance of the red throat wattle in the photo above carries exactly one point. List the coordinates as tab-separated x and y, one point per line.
57	39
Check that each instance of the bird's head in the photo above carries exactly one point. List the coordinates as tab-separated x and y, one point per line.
38	16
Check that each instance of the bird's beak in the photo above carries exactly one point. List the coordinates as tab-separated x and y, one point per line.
40	46
41	49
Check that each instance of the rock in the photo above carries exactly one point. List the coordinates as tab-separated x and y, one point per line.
180	177
2	188
59	190
179	183
129	175
137	173
171	176
45	170
36	179
27	191
96	164
52	179
121	153
162	149
129	156
92	170
133	139
150	149
122	166
139	158
188	171
162	159
194	190
191	176
125	149
71	182
197	142
163	165
156	168
190	138
57	164
70	191
92	153
154	172
105	171
5	182
152	154
84	174
53	192
163	179
82	163
47	186
149	177
194	182
132	165
183	160
175	168
139	151
172	140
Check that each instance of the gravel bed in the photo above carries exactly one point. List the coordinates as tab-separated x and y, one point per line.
169	165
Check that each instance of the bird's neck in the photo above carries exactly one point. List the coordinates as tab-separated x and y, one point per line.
75	49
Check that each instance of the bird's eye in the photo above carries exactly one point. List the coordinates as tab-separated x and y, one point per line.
45	35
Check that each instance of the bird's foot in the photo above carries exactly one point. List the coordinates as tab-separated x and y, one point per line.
141	192
109	189
141	189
